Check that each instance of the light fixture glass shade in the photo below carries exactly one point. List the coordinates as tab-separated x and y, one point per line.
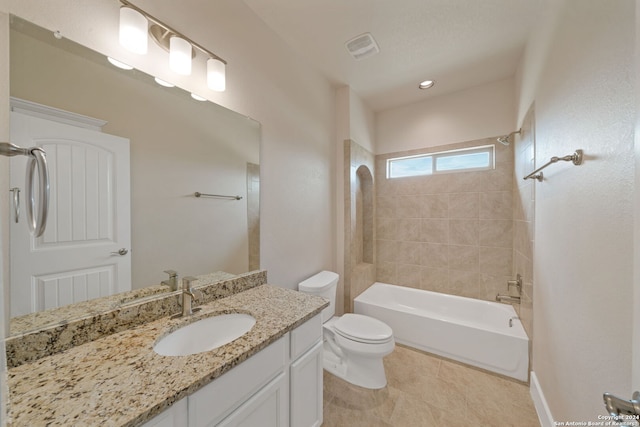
119	64
216	79
163	82
133	30
180	55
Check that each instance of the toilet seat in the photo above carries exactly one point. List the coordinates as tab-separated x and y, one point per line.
363	329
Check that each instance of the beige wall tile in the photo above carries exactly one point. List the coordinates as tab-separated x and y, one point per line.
409	252
434	255
496	232
386	272
465	181
464	205
434	230
408	229
464	231
387	228
386	206
409	275
464	283
435	279
408	206
496	205
435	206
464	258
496	261
435	184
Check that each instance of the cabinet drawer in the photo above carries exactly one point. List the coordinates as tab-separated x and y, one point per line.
217	399
306	336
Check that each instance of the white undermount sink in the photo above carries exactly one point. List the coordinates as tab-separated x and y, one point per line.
205	334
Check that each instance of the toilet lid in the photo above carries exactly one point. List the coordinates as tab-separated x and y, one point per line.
362	328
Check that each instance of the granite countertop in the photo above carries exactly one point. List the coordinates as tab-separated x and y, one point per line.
119	380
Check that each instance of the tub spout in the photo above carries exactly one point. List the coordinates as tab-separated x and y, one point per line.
508	299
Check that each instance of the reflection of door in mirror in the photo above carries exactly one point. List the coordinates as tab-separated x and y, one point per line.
77	258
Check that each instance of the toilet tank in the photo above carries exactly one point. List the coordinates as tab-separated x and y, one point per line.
322	284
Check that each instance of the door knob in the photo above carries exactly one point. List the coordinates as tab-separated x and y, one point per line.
121	252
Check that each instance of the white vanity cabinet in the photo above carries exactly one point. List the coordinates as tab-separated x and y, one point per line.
306	374
279	386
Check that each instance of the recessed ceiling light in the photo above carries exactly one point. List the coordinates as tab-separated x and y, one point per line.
119	64
426	84
163	83
198	97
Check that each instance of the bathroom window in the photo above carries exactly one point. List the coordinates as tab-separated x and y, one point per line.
463	160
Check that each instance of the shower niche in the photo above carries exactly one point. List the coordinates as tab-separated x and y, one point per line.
363	239
359	243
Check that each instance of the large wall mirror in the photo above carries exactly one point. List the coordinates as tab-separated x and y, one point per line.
176	146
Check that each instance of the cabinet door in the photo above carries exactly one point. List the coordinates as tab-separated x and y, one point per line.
217	400
306	389
267	408
175	416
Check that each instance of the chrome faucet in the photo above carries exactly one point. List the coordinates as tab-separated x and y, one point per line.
172	281
188	296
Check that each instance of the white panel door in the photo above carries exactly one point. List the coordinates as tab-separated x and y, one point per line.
89	217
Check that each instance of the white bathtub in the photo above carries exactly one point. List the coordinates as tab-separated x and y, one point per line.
464	329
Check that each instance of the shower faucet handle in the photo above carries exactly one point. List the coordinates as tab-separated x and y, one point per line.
517	283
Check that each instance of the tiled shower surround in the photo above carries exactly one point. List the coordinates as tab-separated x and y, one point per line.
450	233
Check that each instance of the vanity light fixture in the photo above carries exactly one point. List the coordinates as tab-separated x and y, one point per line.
119	64
182	50
426	84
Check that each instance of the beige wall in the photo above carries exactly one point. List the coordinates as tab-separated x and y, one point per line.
450	233
583	253
479	112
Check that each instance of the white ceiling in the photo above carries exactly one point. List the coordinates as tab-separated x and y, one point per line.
458	43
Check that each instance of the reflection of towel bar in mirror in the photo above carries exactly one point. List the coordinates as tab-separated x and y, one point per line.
217	196
576	158
37	163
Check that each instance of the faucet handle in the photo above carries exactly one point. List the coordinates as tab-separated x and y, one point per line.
172	273
196	294
517	283
186	282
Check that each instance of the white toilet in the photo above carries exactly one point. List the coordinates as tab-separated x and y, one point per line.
354	344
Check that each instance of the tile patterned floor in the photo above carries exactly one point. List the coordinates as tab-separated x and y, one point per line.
424	390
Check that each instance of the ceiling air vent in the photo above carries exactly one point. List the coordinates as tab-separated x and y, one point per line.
362	46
